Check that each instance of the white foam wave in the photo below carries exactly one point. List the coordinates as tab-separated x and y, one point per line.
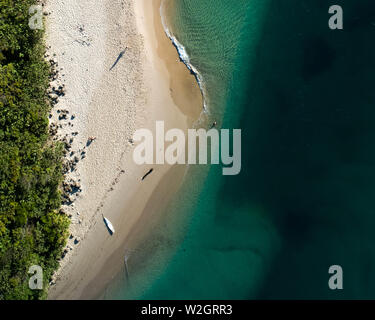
184	57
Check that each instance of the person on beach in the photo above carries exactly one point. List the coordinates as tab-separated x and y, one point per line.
90	140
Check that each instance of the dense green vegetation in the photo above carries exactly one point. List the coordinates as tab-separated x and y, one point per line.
32	231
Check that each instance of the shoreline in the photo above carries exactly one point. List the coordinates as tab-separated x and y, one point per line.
183	55
152	84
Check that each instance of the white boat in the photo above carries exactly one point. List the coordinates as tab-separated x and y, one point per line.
109	225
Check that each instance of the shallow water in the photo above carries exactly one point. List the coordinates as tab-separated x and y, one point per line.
303	96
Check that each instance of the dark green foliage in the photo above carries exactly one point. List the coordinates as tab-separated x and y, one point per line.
31	229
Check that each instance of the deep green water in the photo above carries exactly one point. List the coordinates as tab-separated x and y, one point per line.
304	98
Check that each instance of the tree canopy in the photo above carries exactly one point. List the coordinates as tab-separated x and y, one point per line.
32	231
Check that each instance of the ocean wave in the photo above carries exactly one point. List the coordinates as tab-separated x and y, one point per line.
184	57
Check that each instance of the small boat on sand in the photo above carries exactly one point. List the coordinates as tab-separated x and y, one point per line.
109	225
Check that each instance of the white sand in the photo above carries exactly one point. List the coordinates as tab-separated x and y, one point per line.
87	37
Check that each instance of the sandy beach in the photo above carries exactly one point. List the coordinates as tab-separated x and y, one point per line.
110	101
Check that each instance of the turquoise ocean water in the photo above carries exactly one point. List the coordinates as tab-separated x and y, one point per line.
302	95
